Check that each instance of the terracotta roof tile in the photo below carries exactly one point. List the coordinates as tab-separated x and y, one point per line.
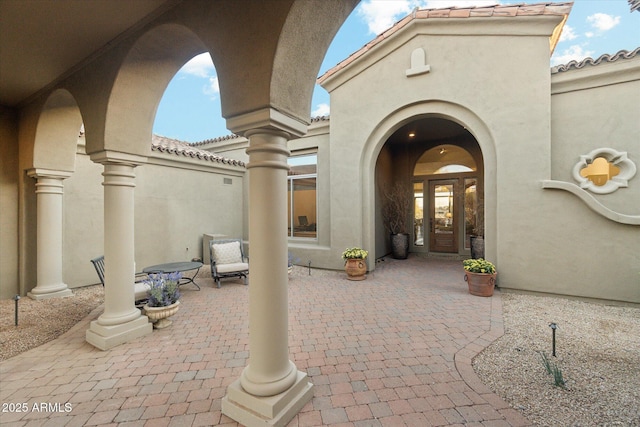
184	149
623	54
214	140
459	13
506	11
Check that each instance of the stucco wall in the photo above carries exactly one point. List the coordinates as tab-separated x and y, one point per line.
176	201
585	253
471	82
8	204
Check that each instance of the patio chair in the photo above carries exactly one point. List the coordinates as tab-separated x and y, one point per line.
141	289
228	260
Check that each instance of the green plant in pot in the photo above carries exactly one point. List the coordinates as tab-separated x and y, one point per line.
355	263
480	275
396	207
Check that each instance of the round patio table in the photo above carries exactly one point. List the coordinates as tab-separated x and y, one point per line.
173	267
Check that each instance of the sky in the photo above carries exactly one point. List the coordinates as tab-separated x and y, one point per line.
190	108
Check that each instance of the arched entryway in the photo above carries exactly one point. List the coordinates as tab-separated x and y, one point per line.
440	163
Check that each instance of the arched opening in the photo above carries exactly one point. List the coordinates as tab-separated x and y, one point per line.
190	107
440	163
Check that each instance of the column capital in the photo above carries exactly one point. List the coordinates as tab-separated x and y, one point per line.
268	119
117	157
48	173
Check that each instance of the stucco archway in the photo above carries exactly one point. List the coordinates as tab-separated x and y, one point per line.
54	147
459	114
139	86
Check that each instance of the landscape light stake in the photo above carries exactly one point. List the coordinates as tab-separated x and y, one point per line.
553	327
16	298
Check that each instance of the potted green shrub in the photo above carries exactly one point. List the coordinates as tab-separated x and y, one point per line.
355	264
480	275
164	295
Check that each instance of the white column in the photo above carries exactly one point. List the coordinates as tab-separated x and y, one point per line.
270	390
49	190
121	320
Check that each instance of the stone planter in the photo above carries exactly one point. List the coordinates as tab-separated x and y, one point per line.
356	269
159	315
480	284
400	245
477	247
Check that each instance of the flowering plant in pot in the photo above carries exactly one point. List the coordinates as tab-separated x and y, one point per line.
355	264
480	275
291	259
354	253
164	295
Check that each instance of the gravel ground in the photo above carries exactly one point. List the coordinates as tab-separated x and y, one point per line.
41	321
597	349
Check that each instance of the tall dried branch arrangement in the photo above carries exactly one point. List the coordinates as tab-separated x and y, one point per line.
396	205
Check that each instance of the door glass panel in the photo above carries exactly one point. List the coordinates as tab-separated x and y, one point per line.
418	214
443	203
470	210
442	222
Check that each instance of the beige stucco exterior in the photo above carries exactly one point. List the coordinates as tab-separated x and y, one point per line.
110	193
531	126
542	240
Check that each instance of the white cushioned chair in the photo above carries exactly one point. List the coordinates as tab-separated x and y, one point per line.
228	260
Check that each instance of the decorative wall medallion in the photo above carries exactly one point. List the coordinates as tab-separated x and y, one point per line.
604	170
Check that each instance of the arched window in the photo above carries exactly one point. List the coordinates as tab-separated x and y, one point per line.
445	158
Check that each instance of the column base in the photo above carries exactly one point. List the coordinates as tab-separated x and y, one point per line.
46	295
106	337
275	410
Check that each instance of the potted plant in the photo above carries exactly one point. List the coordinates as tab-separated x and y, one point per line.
480	275
355	264
292	259
396	206
164	295
477	242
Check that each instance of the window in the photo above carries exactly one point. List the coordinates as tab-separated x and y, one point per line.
443	159
302	196
604	170
471	217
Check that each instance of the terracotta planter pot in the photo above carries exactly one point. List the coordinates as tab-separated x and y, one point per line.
159	315
356	269
480	284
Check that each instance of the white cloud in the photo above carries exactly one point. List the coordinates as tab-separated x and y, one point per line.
602	21
568	33
213	88
382	14
321	110
573	53
199	66
379	15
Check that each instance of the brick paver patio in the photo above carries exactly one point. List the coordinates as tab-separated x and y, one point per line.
392	350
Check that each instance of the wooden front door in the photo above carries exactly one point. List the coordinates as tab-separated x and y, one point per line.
442	219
